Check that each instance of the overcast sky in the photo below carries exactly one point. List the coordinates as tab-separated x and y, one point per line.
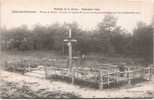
85	21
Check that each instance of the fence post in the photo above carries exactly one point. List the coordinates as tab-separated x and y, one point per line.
117	76
115	72
129	77
101	80
147	73
73	75
76	71
150	73
108	79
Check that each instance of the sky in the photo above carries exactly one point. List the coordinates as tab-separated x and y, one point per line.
142	10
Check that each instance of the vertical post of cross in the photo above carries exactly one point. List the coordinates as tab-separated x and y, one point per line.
69	41
70	50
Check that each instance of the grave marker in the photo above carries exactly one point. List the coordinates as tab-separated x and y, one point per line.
69	41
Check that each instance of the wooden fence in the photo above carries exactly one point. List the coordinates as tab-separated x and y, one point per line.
102	77
127	76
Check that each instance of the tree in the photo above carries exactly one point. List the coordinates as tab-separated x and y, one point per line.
105	29
143	42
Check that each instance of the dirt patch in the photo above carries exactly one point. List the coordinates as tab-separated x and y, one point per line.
16	88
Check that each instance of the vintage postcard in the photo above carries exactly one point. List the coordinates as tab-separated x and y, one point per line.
75	49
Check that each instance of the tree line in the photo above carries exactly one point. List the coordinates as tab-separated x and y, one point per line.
108	38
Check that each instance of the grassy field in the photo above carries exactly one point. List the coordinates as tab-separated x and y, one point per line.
34	58
45	58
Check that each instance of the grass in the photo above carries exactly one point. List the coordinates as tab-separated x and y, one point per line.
21	60
46	55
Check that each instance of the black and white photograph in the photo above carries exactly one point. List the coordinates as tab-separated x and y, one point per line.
76	49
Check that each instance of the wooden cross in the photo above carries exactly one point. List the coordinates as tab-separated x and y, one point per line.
69	41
